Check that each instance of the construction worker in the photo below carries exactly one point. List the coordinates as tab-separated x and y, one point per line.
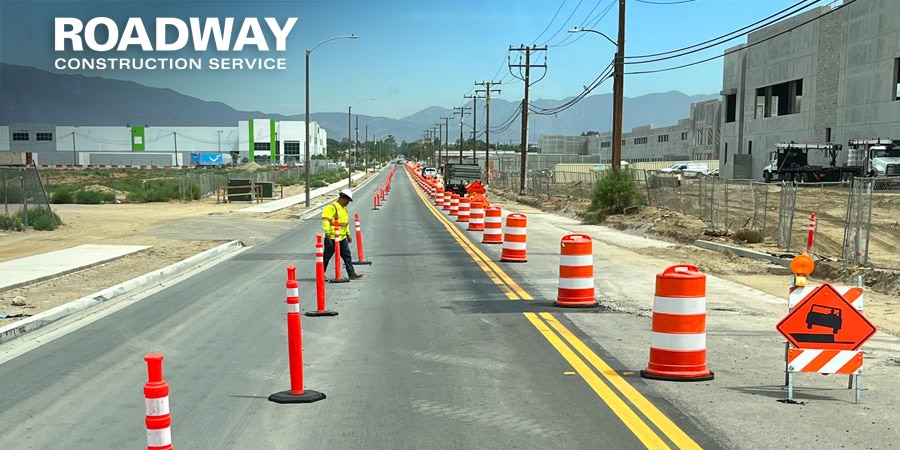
338	211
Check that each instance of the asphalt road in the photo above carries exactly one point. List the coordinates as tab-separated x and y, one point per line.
426	352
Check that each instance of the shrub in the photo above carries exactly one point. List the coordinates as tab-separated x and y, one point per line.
40	219
11	223
195	190
62	197
88	197
614	191
318	183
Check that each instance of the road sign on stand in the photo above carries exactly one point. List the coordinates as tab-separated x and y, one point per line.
826	320
475	188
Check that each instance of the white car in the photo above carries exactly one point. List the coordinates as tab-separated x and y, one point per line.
430	172
687	168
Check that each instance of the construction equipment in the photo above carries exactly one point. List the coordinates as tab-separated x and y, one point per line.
458	176
790	162
877	157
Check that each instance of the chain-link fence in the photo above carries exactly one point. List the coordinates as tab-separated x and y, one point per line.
25	201
872	231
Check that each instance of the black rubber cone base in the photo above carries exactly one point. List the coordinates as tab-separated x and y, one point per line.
579	305
342	280
308	396
325	313
650	376
362	263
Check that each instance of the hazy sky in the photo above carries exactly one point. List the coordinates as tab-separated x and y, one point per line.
411	54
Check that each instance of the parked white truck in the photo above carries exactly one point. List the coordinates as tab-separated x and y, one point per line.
878	157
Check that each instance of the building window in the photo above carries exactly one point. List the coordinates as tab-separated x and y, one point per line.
640	140
606	144
291	147
662	138
726	154
261	146
684	135
897	79
730	108
43	136
779	99
20	136
749	147
623	142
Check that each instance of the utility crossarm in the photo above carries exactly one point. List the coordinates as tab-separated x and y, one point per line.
874	141
807	146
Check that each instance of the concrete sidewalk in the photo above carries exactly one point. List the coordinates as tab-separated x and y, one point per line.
36	268
287	202
745	351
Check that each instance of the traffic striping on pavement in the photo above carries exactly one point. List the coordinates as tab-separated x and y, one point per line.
546	323
637	426
672	431
494	272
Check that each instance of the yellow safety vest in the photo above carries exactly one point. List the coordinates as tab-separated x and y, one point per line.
333	212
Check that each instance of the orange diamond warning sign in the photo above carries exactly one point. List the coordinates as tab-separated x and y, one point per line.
475	188
826	320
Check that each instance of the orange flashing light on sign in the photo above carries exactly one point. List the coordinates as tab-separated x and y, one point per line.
802	267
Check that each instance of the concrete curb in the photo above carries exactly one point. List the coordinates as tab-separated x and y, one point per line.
71	271
316	209
121	290
742	252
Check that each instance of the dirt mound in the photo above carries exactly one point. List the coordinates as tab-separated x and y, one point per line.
99	188
652	221
250	167
885	281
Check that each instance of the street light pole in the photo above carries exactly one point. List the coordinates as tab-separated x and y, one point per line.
350	139
618	83
306	139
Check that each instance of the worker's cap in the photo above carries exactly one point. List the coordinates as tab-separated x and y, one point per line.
346	193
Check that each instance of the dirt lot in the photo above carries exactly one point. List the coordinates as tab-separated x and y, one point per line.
101	224
882	287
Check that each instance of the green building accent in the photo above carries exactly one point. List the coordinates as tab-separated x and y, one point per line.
273	148
138	142
250	137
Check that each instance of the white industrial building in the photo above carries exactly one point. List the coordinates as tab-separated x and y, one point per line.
264	141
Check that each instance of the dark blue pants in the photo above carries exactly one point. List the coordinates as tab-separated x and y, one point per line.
345	255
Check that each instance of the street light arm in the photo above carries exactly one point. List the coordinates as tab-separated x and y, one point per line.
352	36
587	30
360	101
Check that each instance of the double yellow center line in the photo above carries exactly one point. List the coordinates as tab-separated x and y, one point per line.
601	378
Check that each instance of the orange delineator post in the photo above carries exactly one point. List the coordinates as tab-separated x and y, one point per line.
297	394
476	216
375	202
493	226
462	214
320	282
514	239
359	244
576	272
156	403
337	254
678	337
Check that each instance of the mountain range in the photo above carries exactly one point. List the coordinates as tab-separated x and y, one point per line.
31	95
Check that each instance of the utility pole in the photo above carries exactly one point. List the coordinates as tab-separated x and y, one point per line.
527	66
487	126
356	143
461	110
220	142
474	124
176	147
446	144
618	90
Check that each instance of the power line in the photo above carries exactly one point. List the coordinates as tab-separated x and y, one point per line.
728	52
780	15
564	25
585	24
549	23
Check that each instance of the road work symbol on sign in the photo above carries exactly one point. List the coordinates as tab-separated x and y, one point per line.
826	320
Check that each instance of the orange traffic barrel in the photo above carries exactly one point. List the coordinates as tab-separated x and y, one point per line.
514	239
454	204
576	272
447	197
476	216
439	196
678	335
463	213
493	226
